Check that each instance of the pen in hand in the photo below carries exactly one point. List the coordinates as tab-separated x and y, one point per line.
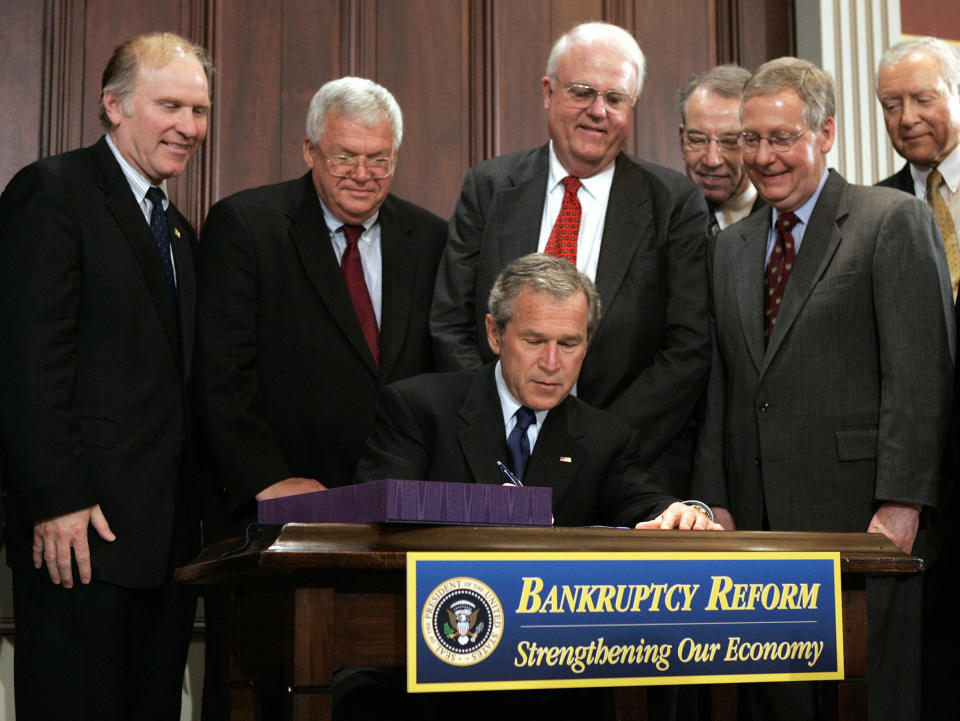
508	474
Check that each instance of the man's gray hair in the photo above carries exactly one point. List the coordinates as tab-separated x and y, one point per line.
541	273
360	99
727	81
813	84
153	50
597	33
943	52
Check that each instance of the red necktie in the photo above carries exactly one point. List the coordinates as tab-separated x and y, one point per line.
563	238
352	270
778	271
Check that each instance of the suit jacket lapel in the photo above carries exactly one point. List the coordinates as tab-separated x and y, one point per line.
624	228
748	274
136	230
559	454
399	254
482	437
904	180
820	241
181	236
310	236
521	207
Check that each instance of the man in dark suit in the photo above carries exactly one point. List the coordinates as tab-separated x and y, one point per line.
315	293
639	235
918	86
97	336
456	426
710	143
287	374
829	389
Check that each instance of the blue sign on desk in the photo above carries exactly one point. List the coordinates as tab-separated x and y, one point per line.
483	621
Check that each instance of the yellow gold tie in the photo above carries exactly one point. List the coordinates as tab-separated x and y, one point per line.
948	232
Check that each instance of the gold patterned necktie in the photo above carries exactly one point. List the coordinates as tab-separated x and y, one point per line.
948	231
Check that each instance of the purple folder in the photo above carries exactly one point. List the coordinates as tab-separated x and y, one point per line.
396	501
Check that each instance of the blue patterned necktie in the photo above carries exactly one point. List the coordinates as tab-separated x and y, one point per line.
518	443
161	234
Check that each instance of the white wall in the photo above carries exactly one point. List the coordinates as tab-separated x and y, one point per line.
847	38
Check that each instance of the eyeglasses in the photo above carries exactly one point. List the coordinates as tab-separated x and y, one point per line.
583	96
779	142
342	166
699	142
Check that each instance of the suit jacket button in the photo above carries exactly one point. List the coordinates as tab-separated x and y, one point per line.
756	462
762	406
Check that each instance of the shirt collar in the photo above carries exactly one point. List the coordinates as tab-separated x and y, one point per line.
509	404
804	212
739	202
334	223
597	185
949	168
137	181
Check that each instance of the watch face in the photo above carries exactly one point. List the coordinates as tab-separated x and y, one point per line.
702	507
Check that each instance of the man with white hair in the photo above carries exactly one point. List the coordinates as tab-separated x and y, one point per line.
314	293
636	229
918	86
294	341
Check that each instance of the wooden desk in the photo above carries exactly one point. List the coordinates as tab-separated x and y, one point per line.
307	599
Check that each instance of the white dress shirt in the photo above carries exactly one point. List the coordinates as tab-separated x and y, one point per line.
594	194
370	255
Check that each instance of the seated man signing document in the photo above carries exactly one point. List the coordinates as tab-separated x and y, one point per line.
520	411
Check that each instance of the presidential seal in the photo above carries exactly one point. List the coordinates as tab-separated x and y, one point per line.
462	621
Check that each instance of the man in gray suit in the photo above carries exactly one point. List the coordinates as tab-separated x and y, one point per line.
639	237
829	390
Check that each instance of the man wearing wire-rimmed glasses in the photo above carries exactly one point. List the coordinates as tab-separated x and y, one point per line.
314	293
710	143
833	360
637	230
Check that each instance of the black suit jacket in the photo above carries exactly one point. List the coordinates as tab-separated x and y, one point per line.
649	357
449	427
95	362
901	180
287	380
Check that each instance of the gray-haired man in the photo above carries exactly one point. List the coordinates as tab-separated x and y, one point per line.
710	143
314	293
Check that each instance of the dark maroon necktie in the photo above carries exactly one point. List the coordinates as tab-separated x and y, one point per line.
352	270
778	271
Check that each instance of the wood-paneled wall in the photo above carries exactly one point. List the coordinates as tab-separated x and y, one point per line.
466	73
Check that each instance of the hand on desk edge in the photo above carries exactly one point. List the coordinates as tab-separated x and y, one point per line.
898	522
681	516
290	487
